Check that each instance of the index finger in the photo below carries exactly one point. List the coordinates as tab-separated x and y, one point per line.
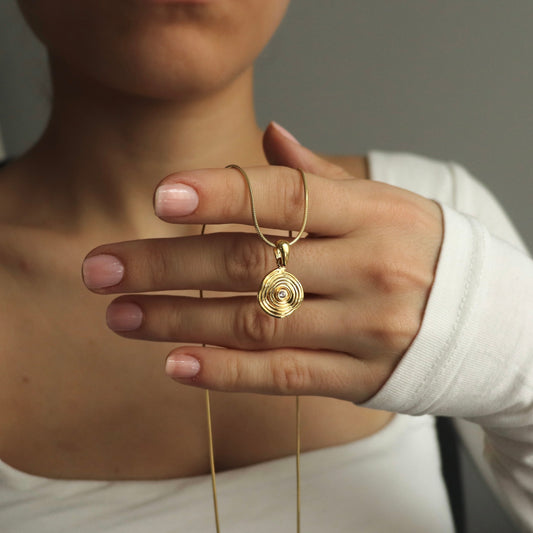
221	196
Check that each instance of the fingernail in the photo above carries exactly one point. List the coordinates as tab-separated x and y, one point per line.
124	316
182	366
101	271
285	133
175	200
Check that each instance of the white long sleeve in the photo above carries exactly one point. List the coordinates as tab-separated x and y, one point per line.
473	355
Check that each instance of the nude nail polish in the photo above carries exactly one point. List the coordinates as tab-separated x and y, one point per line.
182	366
124	316
101	271
175	200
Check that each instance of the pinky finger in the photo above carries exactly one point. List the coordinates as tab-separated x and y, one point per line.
284	371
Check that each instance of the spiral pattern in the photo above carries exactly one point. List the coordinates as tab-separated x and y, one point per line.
280	294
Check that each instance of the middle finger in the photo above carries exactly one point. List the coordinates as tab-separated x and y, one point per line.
234	262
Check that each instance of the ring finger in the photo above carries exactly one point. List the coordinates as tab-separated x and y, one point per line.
233	322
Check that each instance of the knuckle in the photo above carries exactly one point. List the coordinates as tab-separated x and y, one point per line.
292	197
231	205
289	374
398	326
419	217
232	377
170	323
406	211
395	266
159	264
390	277
244	260
254	328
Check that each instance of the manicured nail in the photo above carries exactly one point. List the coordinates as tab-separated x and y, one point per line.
101	271
124	316
182	366
285	133
175	200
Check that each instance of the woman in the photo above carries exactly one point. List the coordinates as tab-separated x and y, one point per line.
95	436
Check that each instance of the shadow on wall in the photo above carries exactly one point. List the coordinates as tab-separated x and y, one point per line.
2	147
24	84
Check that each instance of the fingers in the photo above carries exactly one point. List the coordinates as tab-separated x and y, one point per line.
281	148
284	371
219	196
234	262
234	322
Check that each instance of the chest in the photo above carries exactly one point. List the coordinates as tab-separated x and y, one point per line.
78	401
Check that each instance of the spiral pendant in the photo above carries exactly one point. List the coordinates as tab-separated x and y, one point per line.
281	292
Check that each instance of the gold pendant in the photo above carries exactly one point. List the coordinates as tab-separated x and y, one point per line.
281	292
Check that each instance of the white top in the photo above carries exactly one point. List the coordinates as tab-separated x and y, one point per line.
470	359
387	482
473	355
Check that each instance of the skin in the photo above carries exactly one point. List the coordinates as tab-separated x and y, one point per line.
367	266
80	401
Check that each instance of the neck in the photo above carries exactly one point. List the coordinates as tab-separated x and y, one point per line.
104	152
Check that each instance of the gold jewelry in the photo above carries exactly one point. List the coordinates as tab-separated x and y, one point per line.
280	294
210	438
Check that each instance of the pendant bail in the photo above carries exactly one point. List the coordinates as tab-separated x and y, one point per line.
281	251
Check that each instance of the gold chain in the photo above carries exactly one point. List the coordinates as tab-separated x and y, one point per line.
254	216
282	254
210	438
212	461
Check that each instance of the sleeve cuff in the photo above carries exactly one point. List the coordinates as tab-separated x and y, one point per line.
433	357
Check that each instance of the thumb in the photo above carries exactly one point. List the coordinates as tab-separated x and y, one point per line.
281	148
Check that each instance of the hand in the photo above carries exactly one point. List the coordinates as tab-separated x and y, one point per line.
367	266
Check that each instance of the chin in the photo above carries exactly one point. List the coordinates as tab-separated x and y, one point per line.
162	50
168	71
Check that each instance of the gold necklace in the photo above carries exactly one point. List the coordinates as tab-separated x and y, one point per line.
280	294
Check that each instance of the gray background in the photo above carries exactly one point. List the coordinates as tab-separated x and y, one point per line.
450	80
